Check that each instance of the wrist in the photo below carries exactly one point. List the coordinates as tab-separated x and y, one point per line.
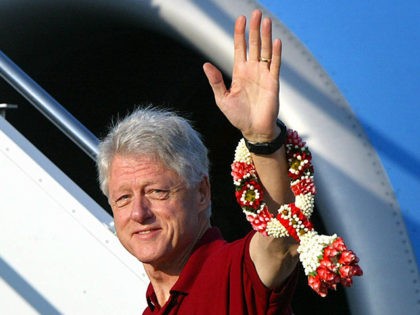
272	144
263	137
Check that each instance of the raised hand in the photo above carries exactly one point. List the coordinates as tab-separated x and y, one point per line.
252	102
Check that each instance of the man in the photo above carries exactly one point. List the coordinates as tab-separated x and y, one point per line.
154	170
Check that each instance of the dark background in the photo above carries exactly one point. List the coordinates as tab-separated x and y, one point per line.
100	66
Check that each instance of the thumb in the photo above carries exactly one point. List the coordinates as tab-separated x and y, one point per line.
215	78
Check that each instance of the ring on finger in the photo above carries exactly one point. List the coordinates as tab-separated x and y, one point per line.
267	60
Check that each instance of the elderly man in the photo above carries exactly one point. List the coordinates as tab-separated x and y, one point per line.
153	168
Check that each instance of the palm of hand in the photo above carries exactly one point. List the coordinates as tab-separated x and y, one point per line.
251	103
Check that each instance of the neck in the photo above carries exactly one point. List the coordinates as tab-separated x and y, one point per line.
164	276
162	284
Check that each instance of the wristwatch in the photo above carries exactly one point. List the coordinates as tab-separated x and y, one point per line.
265	148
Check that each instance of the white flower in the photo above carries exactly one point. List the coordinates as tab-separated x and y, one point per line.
241	153
305	202
311	247
276	229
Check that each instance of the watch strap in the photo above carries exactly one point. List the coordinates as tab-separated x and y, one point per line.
265	148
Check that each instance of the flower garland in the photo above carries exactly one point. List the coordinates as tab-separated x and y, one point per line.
326	259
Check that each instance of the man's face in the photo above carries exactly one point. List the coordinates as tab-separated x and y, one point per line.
157	218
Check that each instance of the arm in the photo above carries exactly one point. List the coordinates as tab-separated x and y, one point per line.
252	105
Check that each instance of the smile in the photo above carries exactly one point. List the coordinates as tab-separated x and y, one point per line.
148	232
145	232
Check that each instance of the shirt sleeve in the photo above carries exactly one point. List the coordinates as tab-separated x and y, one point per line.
274	301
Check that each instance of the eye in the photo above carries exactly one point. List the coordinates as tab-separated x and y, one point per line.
158	194
122	201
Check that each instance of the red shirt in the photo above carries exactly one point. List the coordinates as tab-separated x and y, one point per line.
220	278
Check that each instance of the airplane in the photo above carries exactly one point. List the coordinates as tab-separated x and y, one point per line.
69	67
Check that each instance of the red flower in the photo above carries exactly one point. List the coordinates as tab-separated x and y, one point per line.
347	282
259	221
240	169
330	251
348	257
350	271
304	186
335	267
357	271
318	286
346	271
327	263
339	245
327	275
293	139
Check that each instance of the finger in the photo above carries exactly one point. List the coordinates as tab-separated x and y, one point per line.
239	40
254	36
276	58
215	78
266	41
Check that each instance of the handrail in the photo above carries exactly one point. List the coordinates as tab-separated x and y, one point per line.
48	106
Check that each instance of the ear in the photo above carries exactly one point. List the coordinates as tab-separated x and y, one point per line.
204	193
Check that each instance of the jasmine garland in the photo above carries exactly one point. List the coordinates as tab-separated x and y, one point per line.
326	259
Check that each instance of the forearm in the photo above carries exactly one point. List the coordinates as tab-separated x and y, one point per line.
274	258
272	171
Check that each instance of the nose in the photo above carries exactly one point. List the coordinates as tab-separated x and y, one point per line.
141	211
